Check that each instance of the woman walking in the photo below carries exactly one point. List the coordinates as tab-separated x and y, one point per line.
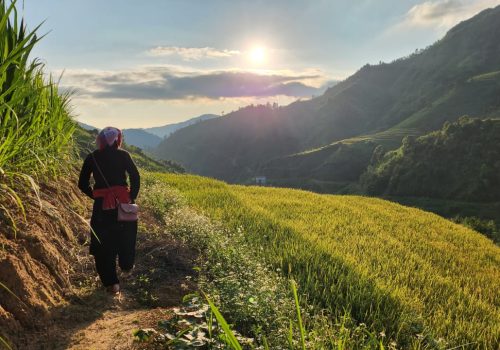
109	165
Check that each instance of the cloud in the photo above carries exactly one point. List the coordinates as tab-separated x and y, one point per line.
443	14
166	83
192	53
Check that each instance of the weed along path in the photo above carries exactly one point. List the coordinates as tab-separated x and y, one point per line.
95	320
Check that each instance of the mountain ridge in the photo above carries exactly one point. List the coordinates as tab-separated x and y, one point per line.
141	138
149	138
167	129
421	91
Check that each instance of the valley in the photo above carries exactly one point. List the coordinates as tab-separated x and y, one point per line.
374	223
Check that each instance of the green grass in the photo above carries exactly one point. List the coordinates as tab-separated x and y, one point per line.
233	342
229	335
486	76
4	342
35	124
413	275
255	297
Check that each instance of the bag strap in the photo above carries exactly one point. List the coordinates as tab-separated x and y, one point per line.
104	177
100	171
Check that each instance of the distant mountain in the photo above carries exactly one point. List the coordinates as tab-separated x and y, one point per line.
149	138
87	126
135	137
166	130
141	138
85	141
314	140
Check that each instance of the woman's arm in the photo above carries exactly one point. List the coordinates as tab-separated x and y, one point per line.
135	178
84	180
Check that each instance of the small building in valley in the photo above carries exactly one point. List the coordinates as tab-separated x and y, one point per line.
260	180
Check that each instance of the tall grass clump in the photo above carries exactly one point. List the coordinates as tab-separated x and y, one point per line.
35	123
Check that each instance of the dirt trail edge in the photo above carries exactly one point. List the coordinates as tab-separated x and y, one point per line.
95	320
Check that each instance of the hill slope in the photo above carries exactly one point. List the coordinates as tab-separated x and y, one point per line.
228	147
419	93
334	168
141	138
399	270
86	126
461	161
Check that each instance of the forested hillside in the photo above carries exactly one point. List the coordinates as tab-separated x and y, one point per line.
460	161
453	77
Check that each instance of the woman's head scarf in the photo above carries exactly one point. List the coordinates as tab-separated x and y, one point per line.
109	136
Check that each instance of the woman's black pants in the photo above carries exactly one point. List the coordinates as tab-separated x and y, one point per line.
111	239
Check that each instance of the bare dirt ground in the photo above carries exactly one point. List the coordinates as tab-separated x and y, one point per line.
92	319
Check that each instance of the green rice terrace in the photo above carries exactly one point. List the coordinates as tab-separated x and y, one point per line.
423	277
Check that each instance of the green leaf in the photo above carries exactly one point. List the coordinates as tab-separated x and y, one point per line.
229	338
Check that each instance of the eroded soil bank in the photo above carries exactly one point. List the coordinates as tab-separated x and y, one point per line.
57	301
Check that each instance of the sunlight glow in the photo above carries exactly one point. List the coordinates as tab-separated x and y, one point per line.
258	55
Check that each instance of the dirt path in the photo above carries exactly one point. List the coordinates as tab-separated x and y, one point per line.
95	320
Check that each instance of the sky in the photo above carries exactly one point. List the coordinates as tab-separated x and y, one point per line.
137	64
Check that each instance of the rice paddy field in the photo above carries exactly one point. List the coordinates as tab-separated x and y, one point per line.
405	273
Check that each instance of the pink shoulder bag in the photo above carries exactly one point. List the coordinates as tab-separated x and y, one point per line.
128	212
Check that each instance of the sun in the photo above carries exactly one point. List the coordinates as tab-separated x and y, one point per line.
258	55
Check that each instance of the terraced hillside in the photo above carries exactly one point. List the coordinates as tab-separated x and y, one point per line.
460	161
400	270
334	168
